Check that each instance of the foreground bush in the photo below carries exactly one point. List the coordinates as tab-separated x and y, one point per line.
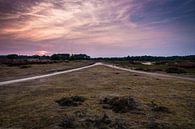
119	104
71	101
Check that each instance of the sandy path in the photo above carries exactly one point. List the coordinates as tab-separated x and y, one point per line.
89	66
148	73
46	75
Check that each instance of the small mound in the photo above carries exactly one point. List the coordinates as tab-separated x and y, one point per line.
119	104
71	101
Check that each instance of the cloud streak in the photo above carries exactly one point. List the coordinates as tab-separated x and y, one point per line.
127	23
72	20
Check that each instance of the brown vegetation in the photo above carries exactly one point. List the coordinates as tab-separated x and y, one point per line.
32	105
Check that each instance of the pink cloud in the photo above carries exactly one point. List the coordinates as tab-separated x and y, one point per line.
41	53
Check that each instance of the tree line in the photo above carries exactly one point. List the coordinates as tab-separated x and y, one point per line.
86	57
147	58
44	57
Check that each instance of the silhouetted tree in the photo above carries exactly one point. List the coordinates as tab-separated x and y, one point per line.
12	56
80	57
60	56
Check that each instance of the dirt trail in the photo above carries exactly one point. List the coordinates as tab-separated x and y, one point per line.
89	66
46	75
149	73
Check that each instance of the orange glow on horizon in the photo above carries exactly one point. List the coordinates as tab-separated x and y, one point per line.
41	53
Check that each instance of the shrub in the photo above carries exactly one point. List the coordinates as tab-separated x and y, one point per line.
25	66
119	104
93	121
71	101
175	70
68	122
157	108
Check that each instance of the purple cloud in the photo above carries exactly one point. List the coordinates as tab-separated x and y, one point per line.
126	24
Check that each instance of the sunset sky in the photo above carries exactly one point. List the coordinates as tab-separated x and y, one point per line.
98	27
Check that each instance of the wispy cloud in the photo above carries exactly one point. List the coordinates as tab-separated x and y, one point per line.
74	19
126	23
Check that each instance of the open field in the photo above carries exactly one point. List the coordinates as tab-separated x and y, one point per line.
182	67
160	103
28	70
97	64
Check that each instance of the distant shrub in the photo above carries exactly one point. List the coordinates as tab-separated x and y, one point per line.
141	69
25	66
175	70
154	69
134	62
161	62
186	64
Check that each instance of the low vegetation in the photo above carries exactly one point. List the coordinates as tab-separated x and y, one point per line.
119	104
156	108
132	102
101	121
71	101
175	70
184	67
27	70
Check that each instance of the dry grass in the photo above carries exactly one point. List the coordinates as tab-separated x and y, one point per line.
21	71
31	105
183	68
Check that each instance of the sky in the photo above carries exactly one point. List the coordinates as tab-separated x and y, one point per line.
99	28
